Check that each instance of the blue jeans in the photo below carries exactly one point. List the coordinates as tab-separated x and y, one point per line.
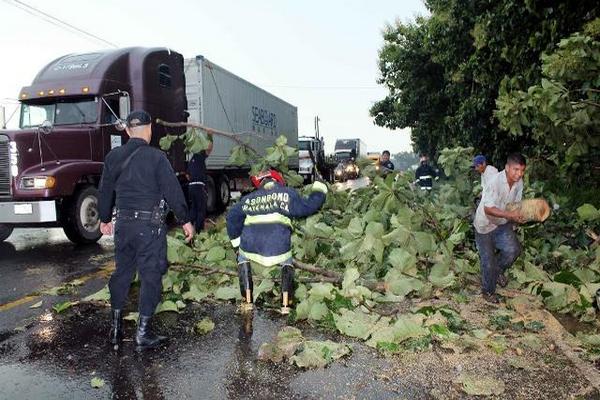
503	239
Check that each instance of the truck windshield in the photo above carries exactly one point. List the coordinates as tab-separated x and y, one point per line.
62	113
303	145
342	155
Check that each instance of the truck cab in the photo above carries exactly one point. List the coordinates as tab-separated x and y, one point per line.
70	118
310	153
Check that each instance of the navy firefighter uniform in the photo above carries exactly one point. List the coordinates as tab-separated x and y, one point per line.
260	225
136	179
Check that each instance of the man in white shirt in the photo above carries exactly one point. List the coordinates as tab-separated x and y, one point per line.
494	225
487	171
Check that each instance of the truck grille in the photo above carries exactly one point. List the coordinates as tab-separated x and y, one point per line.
4	166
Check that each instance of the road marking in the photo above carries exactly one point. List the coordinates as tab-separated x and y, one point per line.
103	272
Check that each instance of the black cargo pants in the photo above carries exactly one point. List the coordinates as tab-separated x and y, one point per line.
141	246
198	199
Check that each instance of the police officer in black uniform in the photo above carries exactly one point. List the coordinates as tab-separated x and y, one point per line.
197	190
137	179
384	162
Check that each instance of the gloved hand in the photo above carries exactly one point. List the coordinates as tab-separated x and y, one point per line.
319	186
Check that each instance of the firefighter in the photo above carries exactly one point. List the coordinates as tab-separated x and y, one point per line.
259	225
425	174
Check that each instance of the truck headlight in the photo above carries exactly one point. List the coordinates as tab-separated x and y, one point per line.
38	182
14	159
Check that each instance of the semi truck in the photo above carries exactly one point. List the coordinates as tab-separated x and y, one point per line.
346	152
72	115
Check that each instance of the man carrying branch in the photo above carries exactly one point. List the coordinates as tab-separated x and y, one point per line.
494	225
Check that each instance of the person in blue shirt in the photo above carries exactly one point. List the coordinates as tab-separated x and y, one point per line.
260	226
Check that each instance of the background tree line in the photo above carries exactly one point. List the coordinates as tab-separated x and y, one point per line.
501	76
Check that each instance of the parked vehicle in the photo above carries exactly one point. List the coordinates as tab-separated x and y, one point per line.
71	117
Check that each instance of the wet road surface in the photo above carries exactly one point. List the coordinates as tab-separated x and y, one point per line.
44	355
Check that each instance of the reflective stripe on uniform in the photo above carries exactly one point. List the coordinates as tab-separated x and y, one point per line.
235	242
267	261
426	187
267	219
319	187
424	177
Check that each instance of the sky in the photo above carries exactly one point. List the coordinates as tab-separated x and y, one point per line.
320	56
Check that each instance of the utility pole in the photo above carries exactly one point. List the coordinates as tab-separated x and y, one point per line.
317	132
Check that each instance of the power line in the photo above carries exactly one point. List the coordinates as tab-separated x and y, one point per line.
55	21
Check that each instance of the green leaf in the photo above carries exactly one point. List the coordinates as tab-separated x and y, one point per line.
403	261
101	295
97	383
316	354
62	306
318	311
355	323
215	254
166	306
401	285
204	326
195	294
588	212
36	305
441	276
227	292
167	141
265	286
132	316
351	275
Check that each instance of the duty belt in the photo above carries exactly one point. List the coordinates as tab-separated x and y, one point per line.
134	214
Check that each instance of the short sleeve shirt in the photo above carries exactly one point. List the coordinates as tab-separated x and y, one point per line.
496	193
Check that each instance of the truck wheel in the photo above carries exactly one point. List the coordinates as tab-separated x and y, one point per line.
211	195
82	224
5	231
223	192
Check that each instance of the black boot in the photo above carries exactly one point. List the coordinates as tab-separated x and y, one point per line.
145	338
246	285
287	287
116	329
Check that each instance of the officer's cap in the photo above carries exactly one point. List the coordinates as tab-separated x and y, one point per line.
138	118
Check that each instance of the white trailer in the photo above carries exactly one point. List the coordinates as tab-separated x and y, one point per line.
221	100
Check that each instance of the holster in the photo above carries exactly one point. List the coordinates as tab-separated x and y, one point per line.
159	214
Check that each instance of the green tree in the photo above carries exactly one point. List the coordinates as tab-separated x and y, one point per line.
561	113
444	72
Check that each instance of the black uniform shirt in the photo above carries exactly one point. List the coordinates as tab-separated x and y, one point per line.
425	175
197	167
147	180
388	165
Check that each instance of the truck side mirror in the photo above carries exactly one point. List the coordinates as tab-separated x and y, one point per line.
2	118
124	107
46	127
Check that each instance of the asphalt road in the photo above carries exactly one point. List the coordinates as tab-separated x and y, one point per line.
33	262
45	355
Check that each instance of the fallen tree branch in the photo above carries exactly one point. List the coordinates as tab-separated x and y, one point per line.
208	130
318	270
326	276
